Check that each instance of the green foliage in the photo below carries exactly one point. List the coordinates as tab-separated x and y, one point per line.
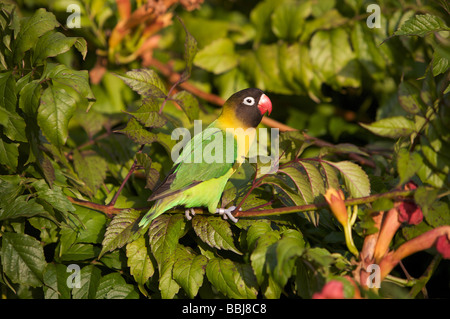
79	157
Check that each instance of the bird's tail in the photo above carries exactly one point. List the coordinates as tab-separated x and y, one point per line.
157	209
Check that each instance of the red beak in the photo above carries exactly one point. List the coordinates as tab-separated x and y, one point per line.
265	105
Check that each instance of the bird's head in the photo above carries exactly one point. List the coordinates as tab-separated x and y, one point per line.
248	106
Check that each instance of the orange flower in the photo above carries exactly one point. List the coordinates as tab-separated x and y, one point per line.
335	198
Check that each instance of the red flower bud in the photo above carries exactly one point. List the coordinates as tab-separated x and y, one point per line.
443	246
409	213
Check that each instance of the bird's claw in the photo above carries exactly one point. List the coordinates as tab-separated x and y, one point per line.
189	213
227	213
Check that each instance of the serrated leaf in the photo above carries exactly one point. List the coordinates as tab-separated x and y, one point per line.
302	182
188	103
91	168
13	125
114	286
71	80
421	25
189	270
214	231
23	259
145	82
334	59
141	267
29	98
392	127
31	29
89	281
148	114
232	279
356	180
55	282
190	50
407	164
55	110
217	57
8	95
121	230
281	256
330	175
52	44
255	231
9	154
288	20
409	98
164	233
21	207
54	196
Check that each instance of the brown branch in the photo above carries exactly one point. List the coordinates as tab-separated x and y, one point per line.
311	207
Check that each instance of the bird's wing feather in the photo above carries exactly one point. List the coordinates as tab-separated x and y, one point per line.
186	173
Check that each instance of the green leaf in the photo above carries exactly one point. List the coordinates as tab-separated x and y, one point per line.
31	29
334	59
303	183
21	207
121	230
190	50
29	98
232	279
54	196
141	267
393	127
288	20
440	64
8	96
217	57
23	259
89	282
114	286
13	124
91	168
356	180
52	44
148	114
164	233
214	231
55	282
188	103
11	186
281	256
409	98
145	82
189	270
421	25
9	154
73	81
330	175
408	164
56	109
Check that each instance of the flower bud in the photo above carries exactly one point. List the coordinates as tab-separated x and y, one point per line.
335	198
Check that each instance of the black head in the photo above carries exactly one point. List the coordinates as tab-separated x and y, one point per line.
248	106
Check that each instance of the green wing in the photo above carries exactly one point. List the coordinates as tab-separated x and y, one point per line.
203	158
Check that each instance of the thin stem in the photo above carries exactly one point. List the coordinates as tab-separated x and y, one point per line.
311	207
130	172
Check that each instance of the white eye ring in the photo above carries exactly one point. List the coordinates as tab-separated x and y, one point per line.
249	100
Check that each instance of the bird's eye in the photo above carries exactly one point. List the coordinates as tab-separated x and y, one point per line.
249	100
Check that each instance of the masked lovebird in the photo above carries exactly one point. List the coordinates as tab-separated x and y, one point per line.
199	175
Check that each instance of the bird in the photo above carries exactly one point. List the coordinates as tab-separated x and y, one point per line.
194	183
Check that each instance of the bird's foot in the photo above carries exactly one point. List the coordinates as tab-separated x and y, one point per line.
227	213
189	213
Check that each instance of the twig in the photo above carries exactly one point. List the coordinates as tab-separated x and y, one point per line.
311	207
